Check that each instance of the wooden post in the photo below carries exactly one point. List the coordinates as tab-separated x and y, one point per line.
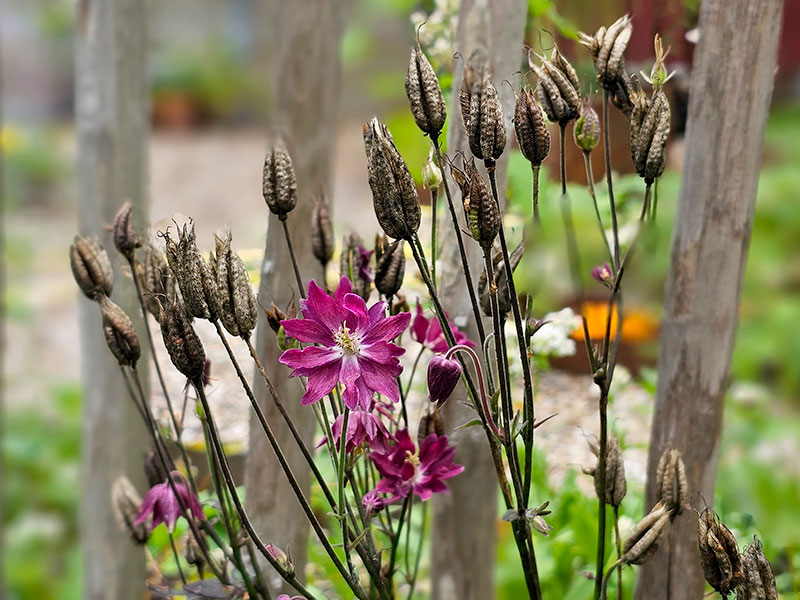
465	521
730	95
301	45
111	125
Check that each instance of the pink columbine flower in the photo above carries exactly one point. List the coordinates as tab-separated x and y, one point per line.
161	504
362	426
373	503
353	346
403	470
428	332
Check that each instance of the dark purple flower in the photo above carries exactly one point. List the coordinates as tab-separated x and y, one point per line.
603	274
403	470
362	426
364	272
373	503
443	376
428	332
161	504
353	346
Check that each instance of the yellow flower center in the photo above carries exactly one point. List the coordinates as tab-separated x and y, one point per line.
412	458
345	341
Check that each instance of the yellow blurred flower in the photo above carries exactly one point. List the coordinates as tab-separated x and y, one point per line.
11	138
638	325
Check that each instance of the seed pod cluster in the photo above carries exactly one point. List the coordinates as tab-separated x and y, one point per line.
758	581
500	281
126	240
125	504
157	281
645	538
671	483
91	267
425	94
394	194
559	90
119	333
279	184
616	486
607	47
650	120
238	308
391	267
182	343
481	110
321	231
480	208
197	283
587	128
719	553
532	133
430	422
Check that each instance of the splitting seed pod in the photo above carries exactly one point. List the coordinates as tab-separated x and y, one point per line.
238	307
650	123
758	581
430	422
480	208
671	483
322	244
481	110
157	282
501	282
196	281
279	184
587	128
125	504
394	194
425	94
91	267
531	130
719	553
607	47
559	90
390	269
645	538
119	333
274	317
615	484
126	240
183	345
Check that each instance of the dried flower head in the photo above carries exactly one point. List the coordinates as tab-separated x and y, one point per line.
182	343
425	94
195	278
279	184
532	133
758	582
719	553
394	194
587	128
193	554
125	504
390	269
607	47
322	244
500	282
91	266
482	213
274	317
481	110
119	332
559	90
238	303
643	541
126	240
650	123
671	483
616	487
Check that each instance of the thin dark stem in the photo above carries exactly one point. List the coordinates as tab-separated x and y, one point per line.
609	183
535	180
434	219
397	534
600	476
342	502
566	215
618	540
646	203
419	551
655	200
177	558
296	268
587	159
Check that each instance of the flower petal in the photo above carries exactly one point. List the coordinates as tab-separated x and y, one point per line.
320	382
380	378
309	358
308	331
321	308
387	329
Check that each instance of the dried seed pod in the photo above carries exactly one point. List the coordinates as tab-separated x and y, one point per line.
158	284
587	128
394	194
274	317
153	470
621	95
643	541
480	208
195	278
279	184
425	94
125	504
758	581
182	343
430	422
532	133
616	487
719	553
193	554
501	282
559	90
126	240
119	332
238	308
650	121
400	304
607	47
390	270
321	231
481	110
671	483
91	267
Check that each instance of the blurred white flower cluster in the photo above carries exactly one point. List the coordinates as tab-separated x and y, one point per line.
553	338
438	34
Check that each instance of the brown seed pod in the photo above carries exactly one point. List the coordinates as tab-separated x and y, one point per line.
279	184
354	264
559	90
650	123
425	94
400	304
643	541
430	422
501	282
126	240
671	483
195	278
481	110
274	317
532	133
322	244
119	333
758	582
182	343
394	194
153	470
587	128
719	553
483	216
607	47
125	504
158	284
238	307
616	486
91	267
390	269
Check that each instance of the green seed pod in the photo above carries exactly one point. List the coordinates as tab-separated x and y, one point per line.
126	240
91	267
322	244
671	483
650	123
279	184
195	278
719	553
425	94
431	173
184	347
390	269
119	333
587	128
645	538
531	130
238	307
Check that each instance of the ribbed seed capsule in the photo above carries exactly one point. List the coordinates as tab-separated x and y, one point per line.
559	90
279	184
501	282
430	422
349	259
481	110
532	133
157	282
125	504
126	240
390	269
153	470
650	120
91	267
671	483
394	194
587	129
322	244
480	208
719	553
758	581
645	538
182	343
607	47
195	279
616	486
238	303
119	333
425	94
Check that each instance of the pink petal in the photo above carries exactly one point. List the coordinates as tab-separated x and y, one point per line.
321	382
308	331
309	358
377	312
387	329
383	352
358	318
379	378
322	308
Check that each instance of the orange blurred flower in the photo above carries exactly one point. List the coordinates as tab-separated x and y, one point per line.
638	325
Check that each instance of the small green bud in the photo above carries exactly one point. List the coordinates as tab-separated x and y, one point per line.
431	173
587	129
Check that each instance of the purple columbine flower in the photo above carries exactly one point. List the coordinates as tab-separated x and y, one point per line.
362	426
603	274
373	503
364	270
443	376
428	332
403	470
161	504
353	346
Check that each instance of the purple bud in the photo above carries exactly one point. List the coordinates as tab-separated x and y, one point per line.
373	503
443	375
603	274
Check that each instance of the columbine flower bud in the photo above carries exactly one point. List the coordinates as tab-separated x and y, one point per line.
532	133
539	524
425	94
616	486
125	504
119	332
279	184
390	269
607	47
483	216
650	120
126	240
182	343
481	110
643	541
559	90
91	267
758	582
238	303
280	557
587	128
500	281
431	173
603	274
195	278
671	483
394	194
321	231
443	376
719	553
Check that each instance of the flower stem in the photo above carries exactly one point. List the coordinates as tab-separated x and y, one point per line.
487	413
587	159
566	215
413	581
646	203
535	185
609	183
177	558
300	286
342	468
618	540
434	219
